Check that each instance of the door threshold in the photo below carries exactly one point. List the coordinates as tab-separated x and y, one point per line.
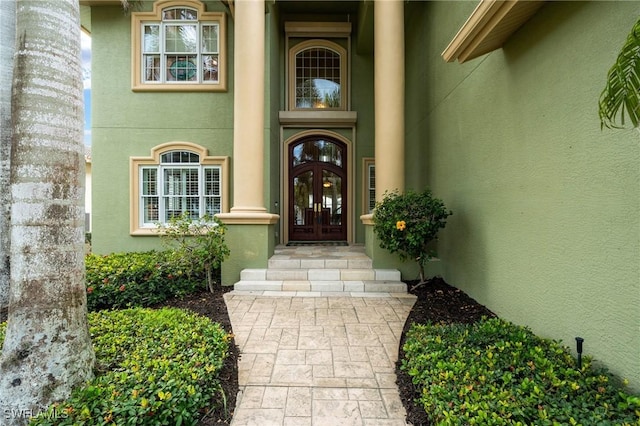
316	243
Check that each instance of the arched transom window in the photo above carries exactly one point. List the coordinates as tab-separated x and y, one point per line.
318	75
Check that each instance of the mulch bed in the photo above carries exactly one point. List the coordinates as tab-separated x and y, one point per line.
437	302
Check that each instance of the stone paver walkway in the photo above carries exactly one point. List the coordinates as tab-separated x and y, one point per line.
318	360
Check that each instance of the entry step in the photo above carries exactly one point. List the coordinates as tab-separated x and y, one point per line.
292	274
320	263
317	270
338	286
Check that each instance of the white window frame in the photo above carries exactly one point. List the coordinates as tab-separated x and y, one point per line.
368	168
139	224
318	35
142	20
164	198
329	46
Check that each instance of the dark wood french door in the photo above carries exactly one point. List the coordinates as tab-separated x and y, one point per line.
317	190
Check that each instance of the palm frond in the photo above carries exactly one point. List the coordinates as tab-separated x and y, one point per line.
621	96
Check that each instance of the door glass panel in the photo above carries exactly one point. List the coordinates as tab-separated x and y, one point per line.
303	199
317	150
331	198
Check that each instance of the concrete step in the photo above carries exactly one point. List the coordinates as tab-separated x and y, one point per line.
320	274
317	269
339	286
358	263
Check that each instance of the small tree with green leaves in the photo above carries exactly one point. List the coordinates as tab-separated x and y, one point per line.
198	244
406	223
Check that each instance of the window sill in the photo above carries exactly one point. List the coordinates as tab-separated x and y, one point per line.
318	117
144	232
168	87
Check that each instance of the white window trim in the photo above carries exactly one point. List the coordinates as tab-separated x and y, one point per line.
136	164
162	197
367	163
139	19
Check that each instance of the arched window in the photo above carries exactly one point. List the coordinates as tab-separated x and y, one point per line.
179	46
318	76
178	178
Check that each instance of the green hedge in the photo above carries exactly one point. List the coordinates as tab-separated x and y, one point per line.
497	373
153	367
122	280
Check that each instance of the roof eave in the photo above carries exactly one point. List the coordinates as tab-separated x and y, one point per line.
488	27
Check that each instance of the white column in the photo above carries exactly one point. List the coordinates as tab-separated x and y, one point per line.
389	95
248	122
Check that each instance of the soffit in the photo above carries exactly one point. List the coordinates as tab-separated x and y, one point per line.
318	6
488	28
227	3
100	2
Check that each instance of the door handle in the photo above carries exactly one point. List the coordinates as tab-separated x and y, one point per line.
317	208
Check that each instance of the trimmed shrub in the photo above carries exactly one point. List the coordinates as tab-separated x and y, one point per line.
153	367
407	223
123	280
197	244
496	373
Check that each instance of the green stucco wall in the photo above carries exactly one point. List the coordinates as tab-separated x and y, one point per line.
126	124
546	206
362	102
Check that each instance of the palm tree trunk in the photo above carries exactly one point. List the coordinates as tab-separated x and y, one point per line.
7	49
47	349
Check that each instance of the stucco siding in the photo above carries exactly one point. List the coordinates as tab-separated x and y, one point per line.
362	101
127	123
546	224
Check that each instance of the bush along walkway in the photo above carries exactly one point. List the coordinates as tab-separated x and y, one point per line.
318	360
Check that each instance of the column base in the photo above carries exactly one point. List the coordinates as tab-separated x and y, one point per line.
247	216
251	240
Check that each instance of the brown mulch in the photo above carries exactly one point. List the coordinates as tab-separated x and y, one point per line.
437	302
